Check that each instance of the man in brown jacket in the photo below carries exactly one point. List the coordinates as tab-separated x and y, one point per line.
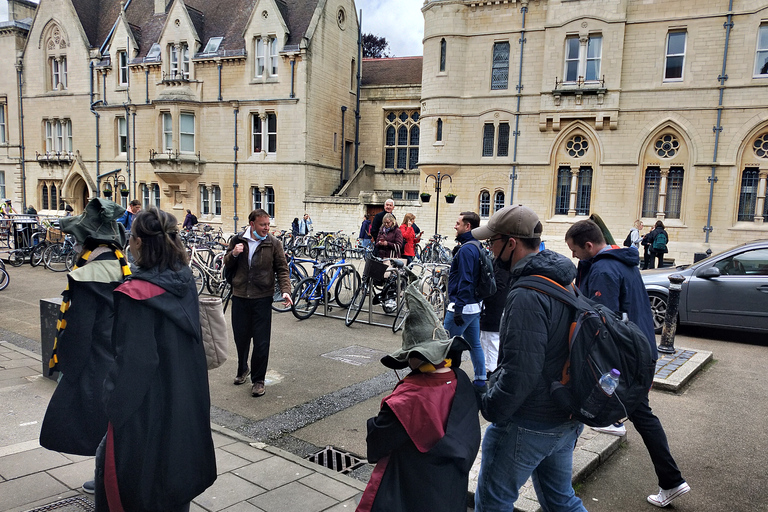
253	258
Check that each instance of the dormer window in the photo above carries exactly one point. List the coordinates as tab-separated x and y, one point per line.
179	61
267	57
122	62
154	52
213	45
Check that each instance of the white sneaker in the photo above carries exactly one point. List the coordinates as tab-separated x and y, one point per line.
617	429
665	497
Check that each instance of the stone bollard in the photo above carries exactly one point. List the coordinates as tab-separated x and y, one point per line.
667	345
49	315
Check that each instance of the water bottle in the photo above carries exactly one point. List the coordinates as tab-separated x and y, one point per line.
600	393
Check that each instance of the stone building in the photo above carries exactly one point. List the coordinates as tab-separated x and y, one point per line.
631	109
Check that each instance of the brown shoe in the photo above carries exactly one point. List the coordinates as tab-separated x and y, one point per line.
258	388
240	379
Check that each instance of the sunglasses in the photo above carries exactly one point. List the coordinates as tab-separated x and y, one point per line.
496	239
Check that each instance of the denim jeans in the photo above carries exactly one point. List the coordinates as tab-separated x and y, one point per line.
470	331
518	449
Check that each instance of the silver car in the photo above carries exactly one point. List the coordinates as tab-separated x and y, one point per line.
728	290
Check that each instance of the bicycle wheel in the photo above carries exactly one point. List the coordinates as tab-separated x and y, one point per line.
304	298
357	303
436	299
70	259
55	258
16	257
36	258
277	297
402	312
199	276
226	296
5	279
346	284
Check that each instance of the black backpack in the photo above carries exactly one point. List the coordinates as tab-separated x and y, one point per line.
599	340
486	284
628	240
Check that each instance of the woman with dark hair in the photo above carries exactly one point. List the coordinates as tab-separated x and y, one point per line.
158	452
657	244
295	226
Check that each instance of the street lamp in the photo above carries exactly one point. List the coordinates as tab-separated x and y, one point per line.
438	185
119	181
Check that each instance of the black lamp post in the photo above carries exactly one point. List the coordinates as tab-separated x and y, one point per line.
120	184
438	185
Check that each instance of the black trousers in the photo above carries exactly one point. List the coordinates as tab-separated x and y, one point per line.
252	320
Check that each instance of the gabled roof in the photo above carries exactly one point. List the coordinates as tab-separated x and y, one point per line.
392	71
211	18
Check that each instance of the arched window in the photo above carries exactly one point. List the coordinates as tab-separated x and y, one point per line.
205	201
269	192
651	192
255	198
401	140
439	130
216	200
485	204
584	192
498	201
56	55
563	192
443	47
748	195
674	193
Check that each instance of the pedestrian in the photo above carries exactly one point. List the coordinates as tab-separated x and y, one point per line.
427	434
31	210
390	239
365	232
389	207
409	237
645	243
68	211
6	210
158	452
493	306
190	220
610	277
295	227
75	421
254	258
634	235
462	316
305	225
529	435
657	244
127	219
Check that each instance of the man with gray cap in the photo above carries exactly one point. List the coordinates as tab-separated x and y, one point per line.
75	421
529	435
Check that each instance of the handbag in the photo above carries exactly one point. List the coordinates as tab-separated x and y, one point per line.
213	328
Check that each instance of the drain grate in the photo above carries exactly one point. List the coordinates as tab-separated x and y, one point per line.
337	460
75	504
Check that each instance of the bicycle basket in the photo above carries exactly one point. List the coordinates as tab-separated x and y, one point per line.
54	235
375	269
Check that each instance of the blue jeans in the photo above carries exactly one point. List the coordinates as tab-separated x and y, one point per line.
470	331
518	449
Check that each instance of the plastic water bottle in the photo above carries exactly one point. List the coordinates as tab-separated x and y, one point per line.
601	393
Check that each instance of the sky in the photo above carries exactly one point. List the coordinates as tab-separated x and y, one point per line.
3	10
400	22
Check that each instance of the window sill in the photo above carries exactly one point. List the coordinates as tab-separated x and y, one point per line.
758	224
439	143
262	156
672	81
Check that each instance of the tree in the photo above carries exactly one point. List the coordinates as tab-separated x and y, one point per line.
375	47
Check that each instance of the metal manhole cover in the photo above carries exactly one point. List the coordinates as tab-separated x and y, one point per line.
337	460
75	504
355	355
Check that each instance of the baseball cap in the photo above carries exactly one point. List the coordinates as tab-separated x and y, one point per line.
517	221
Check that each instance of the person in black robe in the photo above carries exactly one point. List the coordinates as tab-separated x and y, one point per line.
427	433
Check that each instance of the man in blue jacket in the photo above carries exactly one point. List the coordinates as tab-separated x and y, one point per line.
610	276
462	317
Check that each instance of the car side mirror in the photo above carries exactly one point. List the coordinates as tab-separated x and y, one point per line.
709	273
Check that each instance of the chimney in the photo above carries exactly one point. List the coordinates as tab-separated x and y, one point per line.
160	6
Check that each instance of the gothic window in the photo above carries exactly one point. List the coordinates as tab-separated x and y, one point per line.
674	193
485	204
255	198
667	146
488	134
584	191
498	201
563	192
500	70
577	146
443	47
651	188
401	139
750	179
56	54
439	130
503	144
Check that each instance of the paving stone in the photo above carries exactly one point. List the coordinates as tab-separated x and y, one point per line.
74	475
243	506
32	461
293	496
272	472
246	451
226	461
29	489
21	362
227	490
346	506
220	440
329	486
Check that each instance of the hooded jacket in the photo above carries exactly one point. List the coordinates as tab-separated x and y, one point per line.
159	449
533	346
465	270
613	279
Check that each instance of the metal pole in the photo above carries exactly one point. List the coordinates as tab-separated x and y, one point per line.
667	345
437	199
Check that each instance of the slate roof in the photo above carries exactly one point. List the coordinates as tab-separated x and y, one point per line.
211	18
392	71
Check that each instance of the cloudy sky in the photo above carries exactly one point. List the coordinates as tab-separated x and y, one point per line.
399	21
3	10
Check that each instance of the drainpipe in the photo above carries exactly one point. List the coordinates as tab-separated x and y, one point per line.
359	77
343	143
128	142
516	133
146	80
728	25
104	86
220	64
19	70
293	76
133	127
98	146
234	183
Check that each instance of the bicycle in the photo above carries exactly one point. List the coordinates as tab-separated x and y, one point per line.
296	272
384	282
207	269
35	245
60	256
5	278
435	251
330	281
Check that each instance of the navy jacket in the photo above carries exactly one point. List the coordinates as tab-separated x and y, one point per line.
465	269
613	279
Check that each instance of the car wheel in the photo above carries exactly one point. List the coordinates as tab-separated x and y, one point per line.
659	310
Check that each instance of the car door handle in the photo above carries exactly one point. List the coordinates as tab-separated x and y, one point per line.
763	288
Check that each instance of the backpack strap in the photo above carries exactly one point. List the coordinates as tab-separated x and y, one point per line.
568	296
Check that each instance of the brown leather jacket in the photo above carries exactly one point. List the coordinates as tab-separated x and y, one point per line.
257	280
